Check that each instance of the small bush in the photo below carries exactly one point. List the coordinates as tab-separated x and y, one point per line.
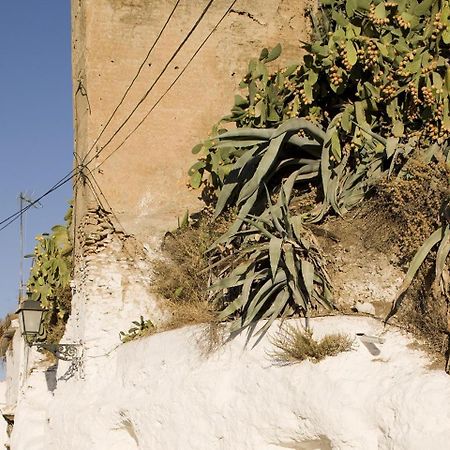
181	275
140	328
409	208
294	345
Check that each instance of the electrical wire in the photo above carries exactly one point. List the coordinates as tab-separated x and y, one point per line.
165	92
178	49
13	217
161	31
77	170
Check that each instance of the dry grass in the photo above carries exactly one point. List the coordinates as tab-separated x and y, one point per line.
294	344
186	313
181	275
400	216
181	278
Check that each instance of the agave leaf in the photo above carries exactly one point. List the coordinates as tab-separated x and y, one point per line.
259	300
442	254
236	277
231	182
293	278
274	213
306	145
267	162
245	209
273	312
242	299
294	125
246	133
275	254
258	226
308	276
239	143
414	266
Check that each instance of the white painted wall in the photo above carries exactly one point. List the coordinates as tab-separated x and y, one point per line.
160	393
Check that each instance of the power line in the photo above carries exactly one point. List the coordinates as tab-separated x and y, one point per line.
78	170
134	78
13	217
165	92
178	49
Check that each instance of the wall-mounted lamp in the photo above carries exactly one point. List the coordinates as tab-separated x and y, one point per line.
31	325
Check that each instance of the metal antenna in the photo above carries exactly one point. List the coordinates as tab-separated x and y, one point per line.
24	199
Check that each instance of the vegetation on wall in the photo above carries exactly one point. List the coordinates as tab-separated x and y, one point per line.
294	344
139	328
50	276
368	108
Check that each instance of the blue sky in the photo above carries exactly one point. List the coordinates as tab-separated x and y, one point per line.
36	144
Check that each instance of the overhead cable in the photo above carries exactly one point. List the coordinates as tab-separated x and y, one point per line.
165	92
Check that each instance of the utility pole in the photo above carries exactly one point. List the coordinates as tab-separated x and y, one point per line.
23	200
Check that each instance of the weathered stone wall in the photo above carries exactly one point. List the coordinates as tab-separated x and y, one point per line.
137	169
144	181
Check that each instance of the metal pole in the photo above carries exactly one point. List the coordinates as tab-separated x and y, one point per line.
21	233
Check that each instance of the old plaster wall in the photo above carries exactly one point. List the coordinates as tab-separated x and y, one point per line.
142	173
135	161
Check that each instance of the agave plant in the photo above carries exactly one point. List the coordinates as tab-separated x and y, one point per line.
274	153
277	270
269	154
373	90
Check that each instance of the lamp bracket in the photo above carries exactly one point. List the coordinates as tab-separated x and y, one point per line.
65	352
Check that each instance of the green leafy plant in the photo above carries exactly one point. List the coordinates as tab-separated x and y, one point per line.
276	269
371	94
139	328
267	155
50	276
294	345
385	62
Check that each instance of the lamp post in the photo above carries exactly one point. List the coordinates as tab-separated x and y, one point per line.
31	316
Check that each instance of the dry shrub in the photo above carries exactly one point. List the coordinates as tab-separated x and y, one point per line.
211	338
182	280
406	211
186	312
181	275
424	312
294	344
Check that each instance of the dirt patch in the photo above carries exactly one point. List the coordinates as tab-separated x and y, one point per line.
359	271
369	250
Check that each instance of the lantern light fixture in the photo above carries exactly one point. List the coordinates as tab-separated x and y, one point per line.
31	323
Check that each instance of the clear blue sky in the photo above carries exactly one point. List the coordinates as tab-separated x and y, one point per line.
36	142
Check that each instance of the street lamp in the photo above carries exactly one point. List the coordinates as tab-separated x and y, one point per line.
30	319
31	324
